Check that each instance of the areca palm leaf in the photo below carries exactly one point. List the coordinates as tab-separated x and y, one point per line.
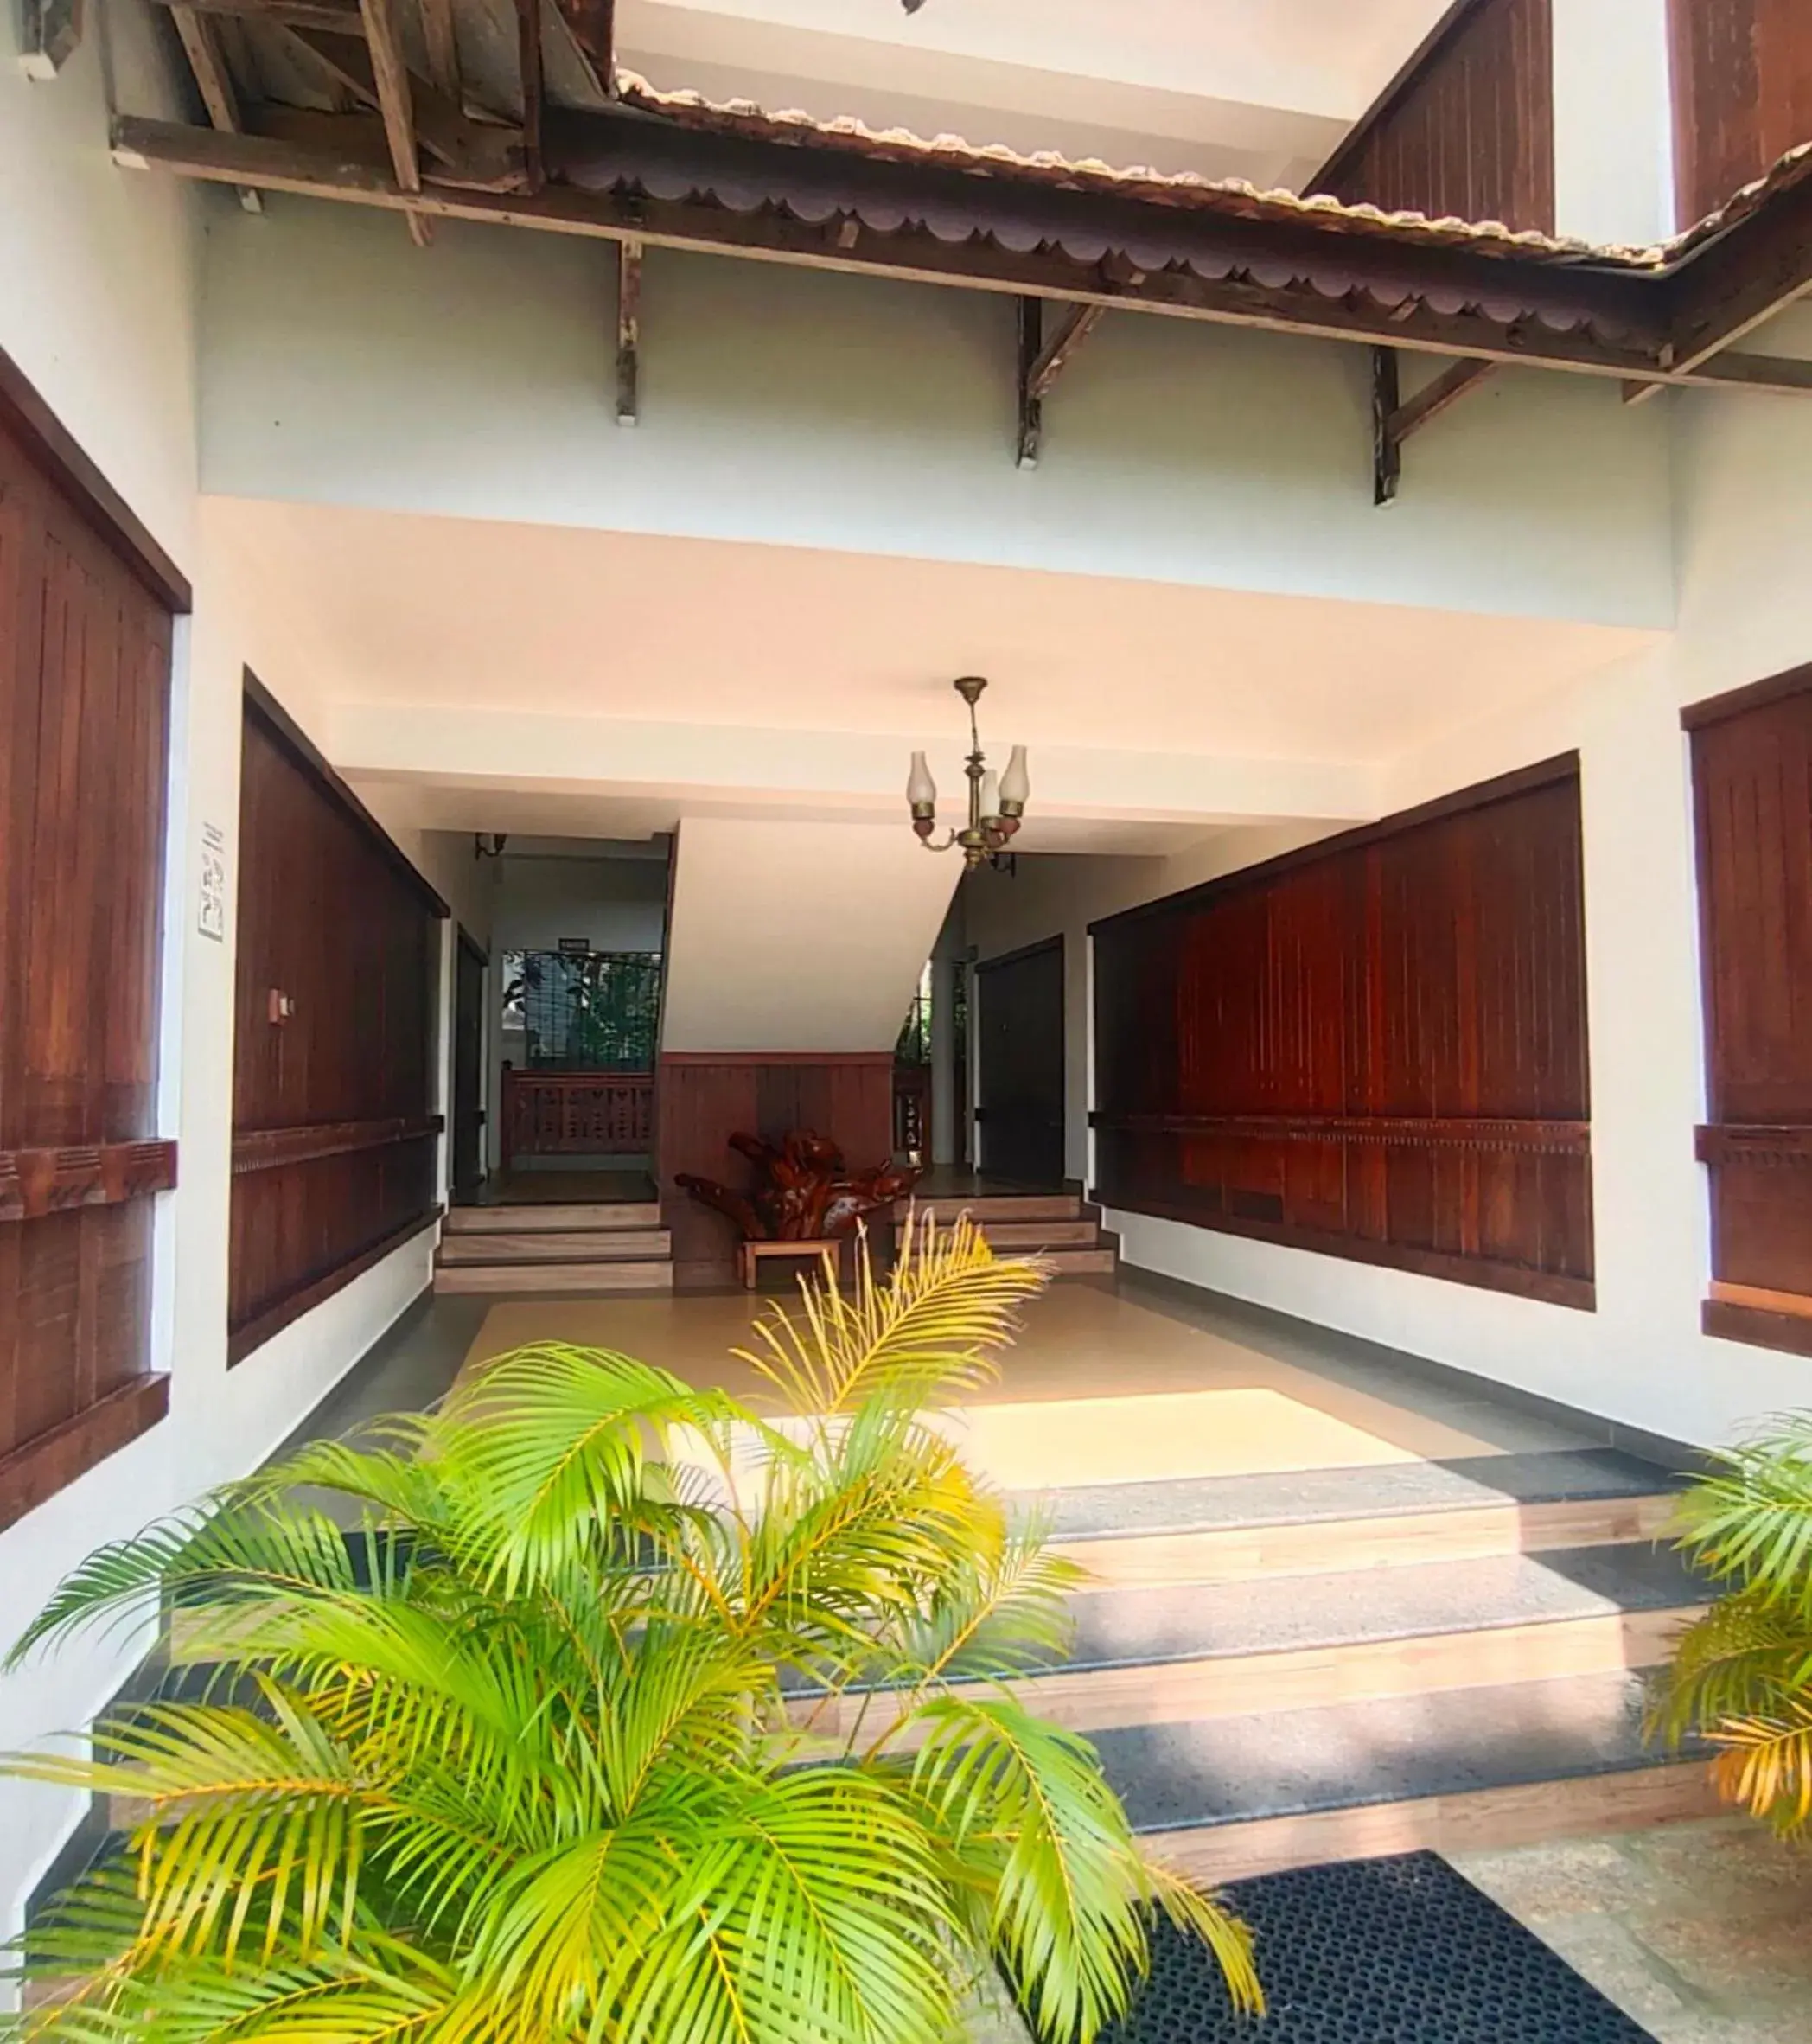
1731	1662
1028	1818
994	1616
1765	1761
926	1335
551	1443
1751	1522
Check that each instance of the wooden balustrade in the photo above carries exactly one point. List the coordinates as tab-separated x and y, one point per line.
574	1114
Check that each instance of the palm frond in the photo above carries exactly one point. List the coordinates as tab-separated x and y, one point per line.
1765	1763
1196	1913
1731	1662
1750	1522
927	1334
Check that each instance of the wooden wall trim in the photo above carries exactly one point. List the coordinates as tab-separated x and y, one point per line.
1551	1289
35	1182
1789	1332
241	1341
1755	695
1764	1145
39	1468
1564	766
1538	1137
291	738
43	436
272	1149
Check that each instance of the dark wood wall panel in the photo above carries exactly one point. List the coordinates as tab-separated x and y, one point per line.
1752	789
1375	1048
85	651
705	1098
1466	128
1742	94
335	1145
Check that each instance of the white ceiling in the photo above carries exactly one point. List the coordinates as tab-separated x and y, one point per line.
1254	88
382	608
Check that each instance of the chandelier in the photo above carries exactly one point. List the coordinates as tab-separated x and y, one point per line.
996	802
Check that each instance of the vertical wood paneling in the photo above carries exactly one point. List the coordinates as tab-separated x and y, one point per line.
330	918
706	1099
84	653
1752	791
1742	94
1467	128
1376	1047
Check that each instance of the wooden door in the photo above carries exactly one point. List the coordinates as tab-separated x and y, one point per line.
1019	1090
468	1089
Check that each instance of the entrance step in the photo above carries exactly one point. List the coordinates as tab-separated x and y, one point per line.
536	1220
559	1246
1508	1764
996	1206
1018	1237
1208	1652
1322	1521
556	1280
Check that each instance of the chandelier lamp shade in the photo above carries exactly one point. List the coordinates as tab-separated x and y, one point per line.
997	800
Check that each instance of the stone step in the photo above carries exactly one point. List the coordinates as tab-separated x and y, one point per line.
1486	1766
558	1246
1018	1237
526	1219
556	1280
996	1206
1101	1261
1323	1521
1206	1651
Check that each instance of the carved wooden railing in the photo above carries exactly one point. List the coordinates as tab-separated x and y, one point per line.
573	1114
912	1110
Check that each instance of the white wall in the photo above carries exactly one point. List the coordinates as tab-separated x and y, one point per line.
823	409
798	936
100	270
616	904
1613	121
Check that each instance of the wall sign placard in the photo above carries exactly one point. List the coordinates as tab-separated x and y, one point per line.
211	913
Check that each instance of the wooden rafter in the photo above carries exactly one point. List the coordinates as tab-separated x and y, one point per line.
1782	376
442	45
479	155
200	36
396	104
593	23
343	16
628	331
529	58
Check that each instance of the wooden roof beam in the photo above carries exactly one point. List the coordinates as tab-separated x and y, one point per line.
341	16
593	23
475	154
529	58
442	45
628	331
395	103
1783	376
200	38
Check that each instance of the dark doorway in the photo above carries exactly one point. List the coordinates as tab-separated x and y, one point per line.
1019	1089
469	968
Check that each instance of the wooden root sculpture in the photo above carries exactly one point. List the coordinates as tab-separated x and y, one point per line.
802	1190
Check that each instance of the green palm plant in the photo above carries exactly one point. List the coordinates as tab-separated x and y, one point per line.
1742	1675
626	1714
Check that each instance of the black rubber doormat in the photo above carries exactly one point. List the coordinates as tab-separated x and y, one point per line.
1377	1951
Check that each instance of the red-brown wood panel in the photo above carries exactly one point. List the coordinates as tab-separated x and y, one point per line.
84	651
1752	789
1375	1048
1466	128
706	1098
1742	94
333	1038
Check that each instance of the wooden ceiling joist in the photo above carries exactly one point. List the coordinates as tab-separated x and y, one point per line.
442	44
529	56
342	16
480	155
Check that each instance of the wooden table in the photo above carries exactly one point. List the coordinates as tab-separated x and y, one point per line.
750	1256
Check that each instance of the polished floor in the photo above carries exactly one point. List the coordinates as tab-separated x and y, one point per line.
1143	1383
